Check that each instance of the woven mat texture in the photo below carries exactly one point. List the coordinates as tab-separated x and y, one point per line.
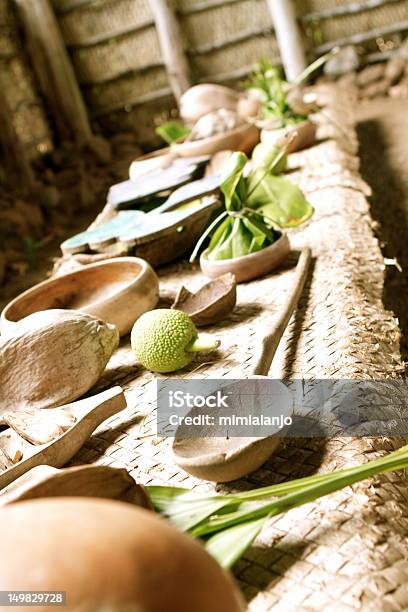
347	551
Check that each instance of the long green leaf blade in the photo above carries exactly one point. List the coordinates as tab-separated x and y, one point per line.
183	507
231	178
229	546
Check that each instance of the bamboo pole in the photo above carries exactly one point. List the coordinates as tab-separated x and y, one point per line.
15	158
289	37
54	70
170	39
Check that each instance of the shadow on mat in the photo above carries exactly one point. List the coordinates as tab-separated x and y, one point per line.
389	207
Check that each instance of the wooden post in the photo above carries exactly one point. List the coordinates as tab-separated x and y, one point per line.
289	37
54	70
170	39
15	158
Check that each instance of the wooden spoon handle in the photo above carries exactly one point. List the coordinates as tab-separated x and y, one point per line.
271	341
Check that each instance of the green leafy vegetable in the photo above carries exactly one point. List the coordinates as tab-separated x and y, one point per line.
267	84
255	205
280	201
230	523
172	131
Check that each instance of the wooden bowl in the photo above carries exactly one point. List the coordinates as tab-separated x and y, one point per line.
222	460
251	266
305	136
219	458
242	138
116	290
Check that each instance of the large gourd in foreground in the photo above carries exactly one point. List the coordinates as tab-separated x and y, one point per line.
109	556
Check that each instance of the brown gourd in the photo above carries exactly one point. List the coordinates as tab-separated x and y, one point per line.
52	358
109	555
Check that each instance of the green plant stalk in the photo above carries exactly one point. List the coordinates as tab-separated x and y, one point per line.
229	515
203	343
307	493
206	233
303	76
279	156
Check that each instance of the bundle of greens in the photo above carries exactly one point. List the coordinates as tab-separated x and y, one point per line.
267	85
256	205
280	103
228	524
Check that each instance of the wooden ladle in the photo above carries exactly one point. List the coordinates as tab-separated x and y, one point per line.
223	459
89	413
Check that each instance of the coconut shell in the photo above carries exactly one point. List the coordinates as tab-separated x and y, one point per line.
53	357
108	555
205	98
210	304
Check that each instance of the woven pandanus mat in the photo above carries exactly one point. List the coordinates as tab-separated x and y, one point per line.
348	550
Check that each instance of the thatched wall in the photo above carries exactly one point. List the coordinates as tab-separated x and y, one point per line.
114	49
18	84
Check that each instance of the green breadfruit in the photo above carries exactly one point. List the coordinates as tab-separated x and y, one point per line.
166	340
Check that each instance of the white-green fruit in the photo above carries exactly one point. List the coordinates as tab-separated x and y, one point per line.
166	340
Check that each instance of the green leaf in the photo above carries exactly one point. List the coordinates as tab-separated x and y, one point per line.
205	235
237	519
259	229
240	239
280	201
267	158
228	546
184	508
221	233
233	185
172	131
235	242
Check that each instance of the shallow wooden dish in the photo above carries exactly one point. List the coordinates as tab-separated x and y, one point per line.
251	266
242	138
303	134
116	290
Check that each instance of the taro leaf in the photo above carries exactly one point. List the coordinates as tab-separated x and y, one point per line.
262	235
221	233
280	201
184	508
236	242
172	131
241	239
267	157
233	183
229	545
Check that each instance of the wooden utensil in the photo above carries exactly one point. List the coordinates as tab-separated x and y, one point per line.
89	413
82	481
117	290
211	303
225	459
